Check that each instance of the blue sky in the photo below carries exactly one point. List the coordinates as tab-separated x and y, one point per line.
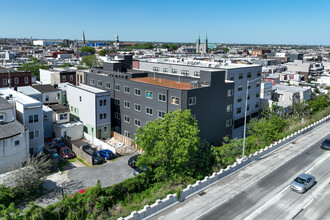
230	21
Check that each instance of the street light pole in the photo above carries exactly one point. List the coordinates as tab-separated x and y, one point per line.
245	113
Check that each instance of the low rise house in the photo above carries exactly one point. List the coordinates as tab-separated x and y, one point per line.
14	142
13	78
50	94
58	75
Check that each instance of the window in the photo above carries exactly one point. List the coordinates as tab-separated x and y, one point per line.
71	108
126	118
36	118
104	102
161	114
161	97
63	116
107	85
238	110
229	108
137	92
31	135
149	110
240	88
126	89
36	134
149	94
117	115
193	116
101	116
258	73
256	105
240	76
155	68
127	134
47	98
175	100
45	117
117	129
101	103
30	118
117	87
117	102
229	92
258	84
257	95
126	104
239	99
229	123
137	107
16	80
104	115
105	129
185	72
192	101
26	80
196	73
137	122
249	75
80	98
231	77
174	71
99	83
247	107
4	81
16	142
165	70
92	81
249	86
71	77
248	97
63	78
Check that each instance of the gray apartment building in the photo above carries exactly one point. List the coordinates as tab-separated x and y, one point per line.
239	74
138	97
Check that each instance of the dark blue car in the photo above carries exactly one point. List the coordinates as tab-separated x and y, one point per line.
107	154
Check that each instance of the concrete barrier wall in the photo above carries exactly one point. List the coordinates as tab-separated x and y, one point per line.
82	154
190	190
98	143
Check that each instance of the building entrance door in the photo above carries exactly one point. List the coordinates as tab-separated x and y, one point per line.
99	133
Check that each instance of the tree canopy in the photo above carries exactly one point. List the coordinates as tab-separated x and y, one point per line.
34	67
91	61
169	145
88	49
102	52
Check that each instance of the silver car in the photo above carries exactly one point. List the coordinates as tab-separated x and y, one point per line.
302	183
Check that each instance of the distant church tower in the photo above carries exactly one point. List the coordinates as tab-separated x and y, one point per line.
198	44
202	48
116	43
83	38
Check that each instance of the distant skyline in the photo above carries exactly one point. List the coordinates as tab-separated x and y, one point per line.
301	22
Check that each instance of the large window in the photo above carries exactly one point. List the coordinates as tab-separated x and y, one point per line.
149	94
137	107
161	97
117	115
127	134
175	100
92	82
229	123
196	73
175	71
126	104
63	78
117	87
99	83
229	92
148	110
155	68
117	102
71	77
107	85
249	75
137	92
240	88
161	114
4	81
126	89
231	77
137	122
240	76
239	99
126	118
192	101
229	108
185	72
31	135
165	70
238	110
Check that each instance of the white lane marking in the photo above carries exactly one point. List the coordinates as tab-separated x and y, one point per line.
308	203
317	164
260	177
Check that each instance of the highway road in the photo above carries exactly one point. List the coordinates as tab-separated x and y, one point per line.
261	190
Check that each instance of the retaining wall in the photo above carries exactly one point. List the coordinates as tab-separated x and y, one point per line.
150	210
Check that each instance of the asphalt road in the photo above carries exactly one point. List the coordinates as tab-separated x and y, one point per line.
261	191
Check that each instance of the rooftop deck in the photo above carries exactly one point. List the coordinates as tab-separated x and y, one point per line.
164	83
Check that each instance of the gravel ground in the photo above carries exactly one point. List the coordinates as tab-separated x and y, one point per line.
79	177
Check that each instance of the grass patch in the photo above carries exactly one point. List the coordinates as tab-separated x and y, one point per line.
83	162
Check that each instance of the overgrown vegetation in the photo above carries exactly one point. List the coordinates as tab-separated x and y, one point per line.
34	66
91	61
174	156
88	49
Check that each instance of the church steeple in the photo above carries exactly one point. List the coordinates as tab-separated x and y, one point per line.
206	37
198	38
83	38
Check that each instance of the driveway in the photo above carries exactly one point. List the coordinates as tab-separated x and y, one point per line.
82	177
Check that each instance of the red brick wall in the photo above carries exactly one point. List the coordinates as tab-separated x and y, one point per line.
67	78
19	75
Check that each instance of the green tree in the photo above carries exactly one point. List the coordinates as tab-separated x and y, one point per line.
225	49
91	61
65	65
88	49
227	153
174	46
34	67
102	52
169	145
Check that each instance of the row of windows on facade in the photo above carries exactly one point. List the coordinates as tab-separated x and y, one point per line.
175	71
239	110
105	129
34	134
241	75
64	78
16	81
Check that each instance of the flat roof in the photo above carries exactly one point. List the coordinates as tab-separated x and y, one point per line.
28	90
17	96
4	104
291	89
89	88
163	82
45	88
59	108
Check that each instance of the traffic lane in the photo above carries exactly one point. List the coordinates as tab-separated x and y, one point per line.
259	193
289	203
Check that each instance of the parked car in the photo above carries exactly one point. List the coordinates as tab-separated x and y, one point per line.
82	191
65	152
97	159
138	170
107	154
132	161
326	144
302	183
